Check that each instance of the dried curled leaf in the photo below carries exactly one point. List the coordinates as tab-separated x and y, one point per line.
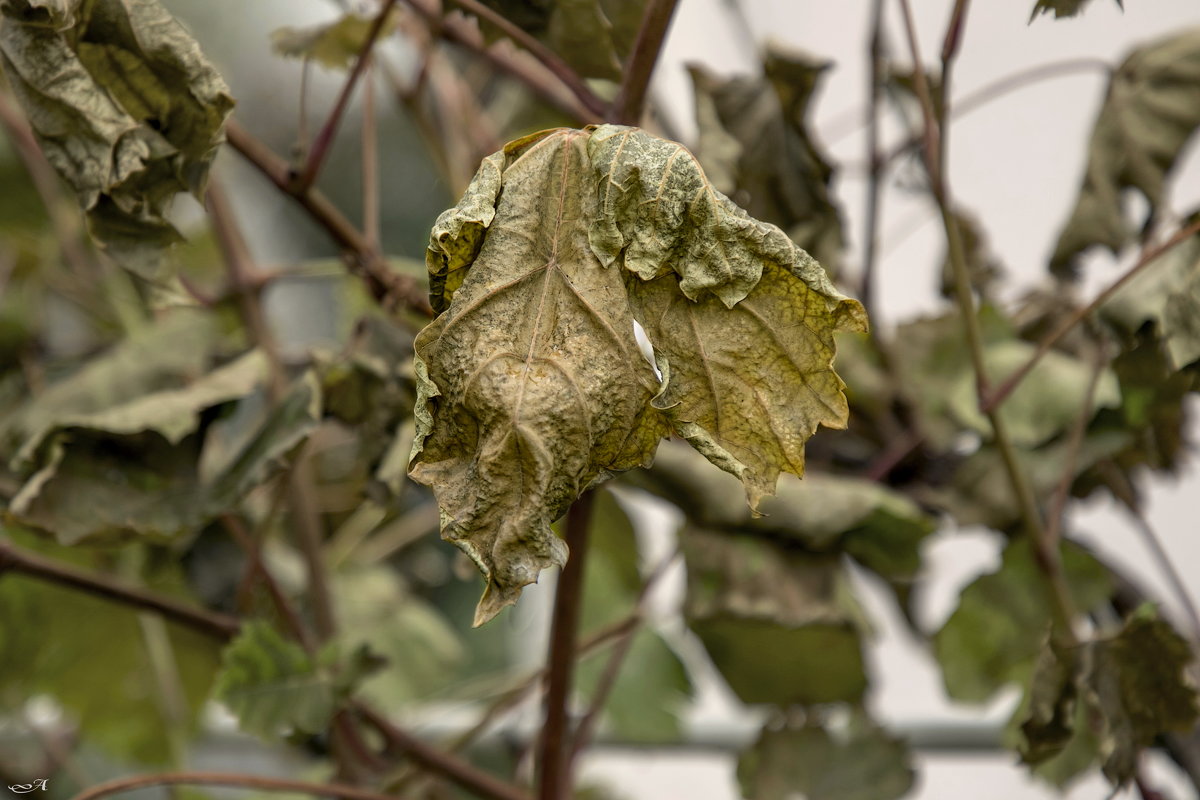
126	108
1151	109
531	386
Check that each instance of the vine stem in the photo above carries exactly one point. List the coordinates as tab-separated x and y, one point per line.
324	141
993	400
627	106
1046	553
550	60
385	286
212	623
554	778
121	785
875	161
528	71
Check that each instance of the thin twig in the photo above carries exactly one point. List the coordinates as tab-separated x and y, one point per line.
384	285
212	623
446	764
519	65
551	60
1046	554
608	678
324	141
554	778
122	785
306	518
627	106
66	224
370	164
1167	565
1058	503
998	395
291	617
874	160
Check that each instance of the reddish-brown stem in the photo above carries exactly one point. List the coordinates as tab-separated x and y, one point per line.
874	160
554	770
384	285
291	617
1001	392
551	60
212	623
627	106
122	785
370	165
528	71
45	182
445	764
324	141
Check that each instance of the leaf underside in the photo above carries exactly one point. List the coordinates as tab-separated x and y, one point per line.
531	383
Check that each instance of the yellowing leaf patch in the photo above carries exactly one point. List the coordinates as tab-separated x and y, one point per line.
531	384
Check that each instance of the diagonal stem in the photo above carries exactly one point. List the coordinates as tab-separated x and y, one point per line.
550	60
212	623
324	141
385	286
122	785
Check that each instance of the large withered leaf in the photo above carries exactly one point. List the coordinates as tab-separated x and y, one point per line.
1151	109
126	108
741	319
537	383
531	385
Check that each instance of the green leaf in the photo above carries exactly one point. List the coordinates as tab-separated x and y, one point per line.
748	597
272	685
1049	400
1167	295
994	636
860	762
1063	8
125	107
334	45
515	420
1151	109
756	146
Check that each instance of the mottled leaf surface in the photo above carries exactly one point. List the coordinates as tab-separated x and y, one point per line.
531	385
126	108
1151	109
858	762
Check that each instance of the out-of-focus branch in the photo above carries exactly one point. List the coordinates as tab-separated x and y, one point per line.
551	60
385	286
627	106
212	623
